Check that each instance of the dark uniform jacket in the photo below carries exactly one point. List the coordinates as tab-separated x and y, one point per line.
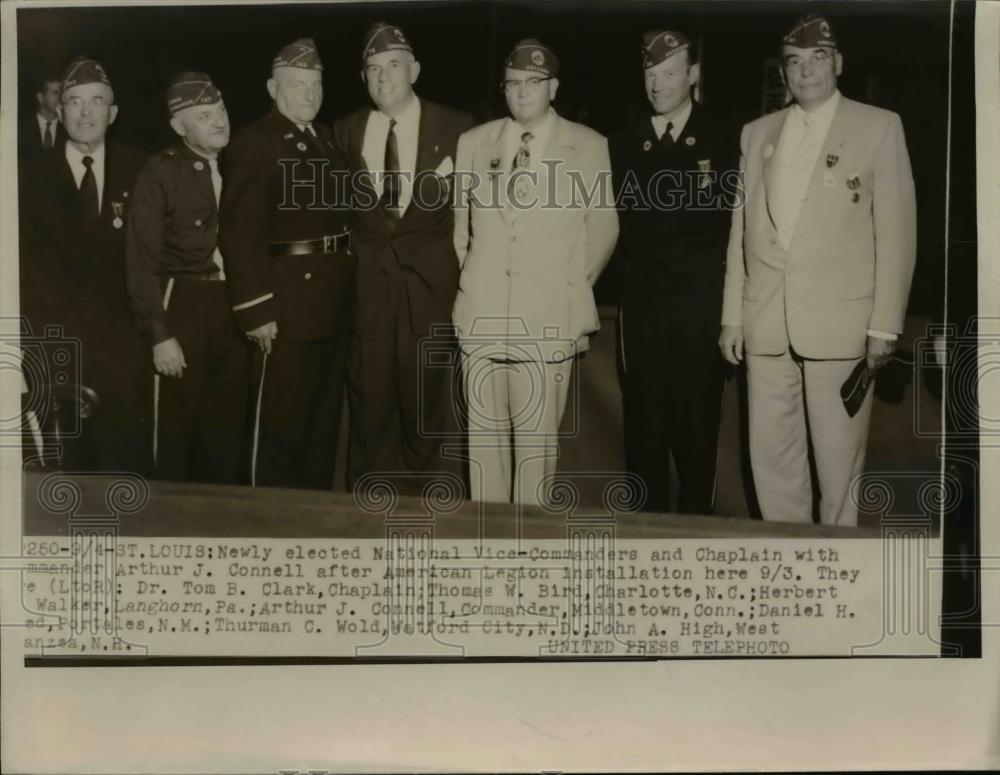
695	179
420	247
310	296
176	181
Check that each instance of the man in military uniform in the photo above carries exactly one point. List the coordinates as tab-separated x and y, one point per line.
401	403
176	282
286	244
75	201
670	170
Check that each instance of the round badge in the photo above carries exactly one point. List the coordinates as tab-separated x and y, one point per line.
301	146
118	223
768	150
537	58
689	141
199	166
670	40
647	145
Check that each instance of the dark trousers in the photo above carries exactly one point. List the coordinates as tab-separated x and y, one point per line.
200	420
672	387
298	396
402	408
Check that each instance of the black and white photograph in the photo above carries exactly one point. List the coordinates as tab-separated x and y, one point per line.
461	366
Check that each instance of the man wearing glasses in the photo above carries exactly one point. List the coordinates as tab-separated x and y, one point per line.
534	227
818	275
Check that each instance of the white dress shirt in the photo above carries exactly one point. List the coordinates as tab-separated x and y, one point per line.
511	141
679	122
373	149
43	123
75	158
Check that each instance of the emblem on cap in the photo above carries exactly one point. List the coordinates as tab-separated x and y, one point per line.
537	58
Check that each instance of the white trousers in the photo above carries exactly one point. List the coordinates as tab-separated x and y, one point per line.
792	403
514	411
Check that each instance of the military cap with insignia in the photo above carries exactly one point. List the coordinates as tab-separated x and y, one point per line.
658	45
83	70
384	37
301	54
811	32
191	88
531	54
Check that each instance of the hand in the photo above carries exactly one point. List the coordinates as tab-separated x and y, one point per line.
264	336
879	352
168	358
731	344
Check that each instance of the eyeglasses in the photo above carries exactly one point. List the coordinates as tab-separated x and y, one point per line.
821	58
531	84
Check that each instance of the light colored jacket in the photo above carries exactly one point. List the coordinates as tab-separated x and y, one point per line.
525	291
850	263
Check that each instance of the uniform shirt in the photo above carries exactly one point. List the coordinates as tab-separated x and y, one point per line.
373	150
75	158
172	231
678	122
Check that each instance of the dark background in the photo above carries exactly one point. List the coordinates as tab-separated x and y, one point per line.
896	56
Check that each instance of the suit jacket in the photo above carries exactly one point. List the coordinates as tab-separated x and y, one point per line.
29	138
526	288
283	185
849	266
419	249
73	271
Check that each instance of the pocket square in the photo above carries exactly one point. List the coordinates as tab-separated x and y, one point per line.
445	168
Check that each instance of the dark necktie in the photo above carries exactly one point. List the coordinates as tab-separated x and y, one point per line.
668	138
88	190
49	137
390	191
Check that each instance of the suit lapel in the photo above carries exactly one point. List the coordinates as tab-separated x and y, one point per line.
768	150
493	151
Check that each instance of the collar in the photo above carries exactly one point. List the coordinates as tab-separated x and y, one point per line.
678	121
408	118
541	132
823	115
42	121
75	157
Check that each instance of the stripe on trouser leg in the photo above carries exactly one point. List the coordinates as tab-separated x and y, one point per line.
156	383
256	424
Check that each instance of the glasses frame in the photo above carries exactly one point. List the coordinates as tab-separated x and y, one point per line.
531	84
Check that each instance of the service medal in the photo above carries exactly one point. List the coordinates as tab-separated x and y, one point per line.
119	209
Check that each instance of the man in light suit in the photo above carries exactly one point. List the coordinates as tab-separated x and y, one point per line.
401	405
534	226
818	274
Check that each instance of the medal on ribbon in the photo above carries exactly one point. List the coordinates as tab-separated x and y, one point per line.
118	208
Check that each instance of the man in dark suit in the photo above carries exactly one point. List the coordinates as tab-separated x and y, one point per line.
73	267
670	171
42	131
287	249
401	387
177	285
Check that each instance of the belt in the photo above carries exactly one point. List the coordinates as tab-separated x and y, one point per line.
330	243
210	277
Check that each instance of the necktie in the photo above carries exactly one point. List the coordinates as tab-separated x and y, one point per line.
668	139
792	181
88	190
390	190
49	137
522	160
213	165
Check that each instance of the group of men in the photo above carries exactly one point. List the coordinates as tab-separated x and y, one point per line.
226	302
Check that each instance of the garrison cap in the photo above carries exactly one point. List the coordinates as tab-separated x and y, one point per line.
382	36
811	32
83	70
531	54
301	54
190	88
658	45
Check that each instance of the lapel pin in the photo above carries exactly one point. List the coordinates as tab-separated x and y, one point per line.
288	136
855	197
828	179
689	141
768	150
436	148
300	145
198	165
831	160
494	165
854	182
119	209
647	145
